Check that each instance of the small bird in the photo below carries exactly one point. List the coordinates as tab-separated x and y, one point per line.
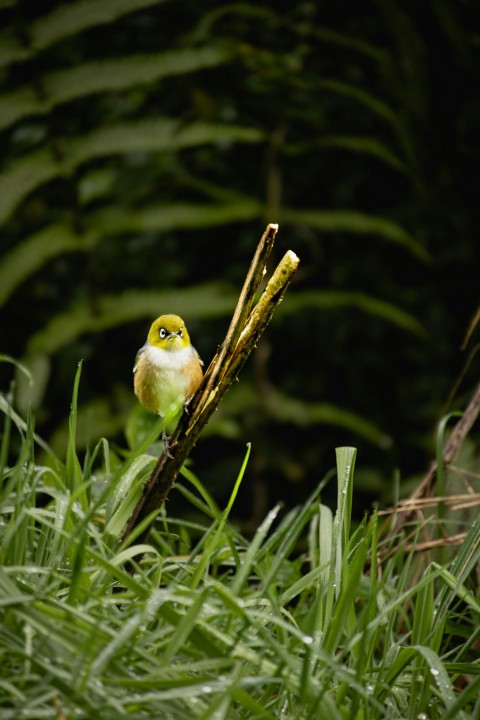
167	371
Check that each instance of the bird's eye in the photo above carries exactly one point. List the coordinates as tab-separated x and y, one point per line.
163	333
180	332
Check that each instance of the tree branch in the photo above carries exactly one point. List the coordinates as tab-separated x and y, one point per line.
247	325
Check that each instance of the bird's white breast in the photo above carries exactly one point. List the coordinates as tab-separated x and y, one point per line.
168	359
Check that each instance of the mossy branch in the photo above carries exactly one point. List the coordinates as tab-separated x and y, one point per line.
247	325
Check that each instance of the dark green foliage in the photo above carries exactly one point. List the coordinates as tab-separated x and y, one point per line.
300	621
144	147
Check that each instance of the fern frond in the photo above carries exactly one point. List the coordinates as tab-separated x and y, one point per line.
366	145
11	50
208	300
31	171
329	299
105	76
35	251
23	176
178	216
66	20
20	104
351	42
357	223
156	135
284	408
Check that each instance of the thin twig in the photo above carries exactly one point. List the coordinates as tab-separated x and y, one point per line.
432	544
452	446
467	500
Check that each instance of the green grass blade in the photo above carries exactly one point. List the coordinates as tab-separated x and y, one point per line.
212	543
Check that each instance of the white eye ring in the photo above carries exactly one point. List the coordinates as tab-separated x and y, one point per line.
180	332
163	333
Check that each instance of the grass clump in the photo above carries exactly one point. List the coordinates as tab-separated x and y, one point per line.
299	621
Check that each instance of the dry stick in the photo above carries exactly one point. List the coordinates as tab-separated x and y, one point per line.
259	318
225	368
432	544
250	286
458	502
452	446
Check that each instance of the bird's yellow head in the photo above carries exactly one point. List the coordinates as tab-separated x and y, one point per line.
168	332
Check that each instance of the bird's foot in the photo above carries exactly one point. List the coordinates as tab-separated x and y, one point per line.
166	444
186	404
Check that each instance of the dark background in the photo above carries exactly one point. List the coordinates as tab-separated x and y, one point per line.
355	127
